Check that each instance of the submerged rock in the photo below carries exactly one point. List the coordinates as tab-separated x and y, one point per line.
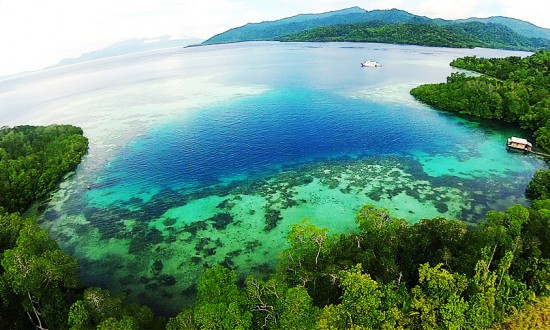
194	227
167	280
272	218
157	266
169	222
220	221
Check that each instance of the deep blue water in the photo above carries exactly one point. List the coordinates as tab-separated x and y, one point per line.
283	127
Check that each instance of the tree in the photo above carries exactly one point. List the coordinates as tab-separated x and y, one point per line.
220	304
40	274
265	298
379	241
10	225
539	186
126	323
34	159
184	320
297	311
304	262
511	89
98	309
365	304
482	310
361	299
437	301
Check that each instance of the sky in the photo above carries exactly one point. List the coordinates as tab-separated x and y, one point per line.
38	33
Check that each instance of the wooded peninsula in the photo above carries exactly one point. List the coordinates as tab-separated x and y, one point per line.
389	274
512	89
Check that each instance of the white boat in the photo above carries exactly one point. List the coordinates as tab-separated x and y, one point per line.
371	64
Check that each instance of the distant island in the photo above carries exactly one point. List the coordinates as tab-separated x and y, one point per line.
393	26
131	46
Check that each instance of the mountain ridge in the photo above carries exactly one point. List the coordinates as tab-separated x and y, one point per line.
459	35
526	28
274	30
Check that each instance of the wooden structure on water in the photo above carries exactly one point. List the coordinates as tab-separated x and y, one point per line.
522	145
515	143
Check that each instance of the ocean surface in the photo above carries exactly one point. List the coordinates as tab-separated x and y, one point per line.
208	155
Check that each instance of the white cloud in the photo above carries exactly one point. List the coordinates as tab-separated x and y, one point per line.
447	9
533	11
38	33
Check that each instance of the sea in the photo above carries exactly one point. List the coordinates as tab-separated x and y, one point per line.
209	155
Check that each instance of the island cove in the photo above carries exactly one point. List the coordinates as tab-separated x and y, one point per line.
222	184
188	187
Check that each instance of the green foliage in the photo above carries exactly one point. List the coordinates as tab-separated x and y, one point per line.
98	309
10	225
437	301
126	323
482	311
512	89
361	299
34	159
533	317
468	34
297	310
444	275
275	305
435	241
184	320
307	243
265	298
217	285
37	280
274	29
305	262
539	186
380	239
37	273
220	304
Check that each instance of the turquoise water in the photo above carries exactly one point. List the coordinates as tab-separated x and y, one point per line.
208	155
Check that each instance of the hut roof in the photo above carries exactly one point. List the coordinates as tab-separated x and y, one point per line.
517	140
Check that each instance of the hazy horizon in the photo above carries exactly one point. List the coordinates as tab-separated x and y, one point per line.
41	34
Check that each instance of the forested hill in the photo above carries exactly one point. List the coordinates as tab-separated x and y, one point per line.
524	28
275	30
461	35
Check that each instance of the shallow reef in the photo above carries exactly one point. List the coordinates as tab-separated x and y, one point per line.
155	249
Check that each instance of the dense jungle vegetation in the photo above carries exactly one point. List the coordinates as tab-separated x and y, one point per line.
458	35
389	274
511	89
38	281
436	274
34	159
